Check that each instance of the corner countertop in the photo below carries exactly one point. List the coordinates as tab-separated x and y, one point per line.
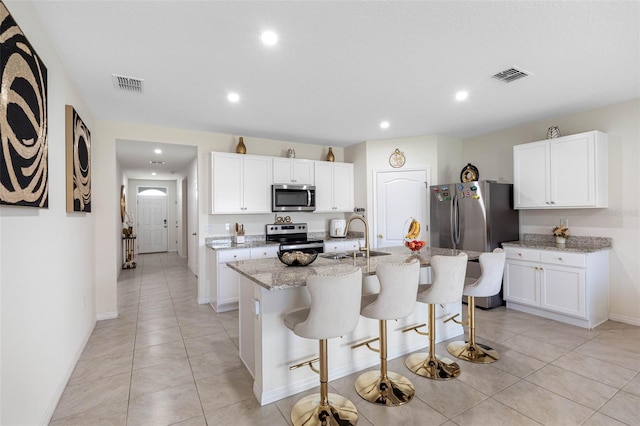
574	244
272	274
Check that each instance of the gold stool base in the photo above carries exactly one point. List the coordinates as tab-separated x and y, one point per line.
432	367
393	391
309	412
477	352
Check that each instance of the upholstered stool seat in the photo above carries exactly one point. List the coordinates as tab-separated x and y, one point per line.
397	299
448	273
489	284
334	311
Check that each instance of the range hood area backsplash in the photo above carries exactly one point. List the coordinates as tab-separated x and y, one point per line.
317	223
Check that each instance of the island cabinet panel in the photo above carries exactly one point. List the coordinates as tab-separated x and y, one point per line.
240	184
564	286
565	172
268	348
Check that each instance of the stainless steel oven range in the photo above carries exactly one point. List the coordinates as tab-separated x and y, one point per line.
293	237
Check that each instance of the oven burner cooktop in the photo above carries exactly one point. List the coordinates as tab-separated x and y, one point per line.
292	237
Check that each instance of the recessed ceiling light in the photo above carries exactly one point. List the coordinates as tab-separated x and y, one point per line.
157	151
269	38
384	124
153	173
462	95
233	97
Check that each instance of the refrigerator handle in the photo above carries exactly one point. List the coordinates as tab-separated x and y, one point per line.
455	222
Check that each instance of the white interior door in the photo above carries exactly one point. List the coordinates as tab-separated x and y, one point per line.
152	223
400	195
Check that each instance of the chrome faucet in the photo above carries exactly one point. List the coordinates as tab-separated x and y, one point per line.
365	249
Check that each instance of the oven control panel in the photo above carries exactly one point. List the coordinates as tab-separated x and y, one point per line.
286	228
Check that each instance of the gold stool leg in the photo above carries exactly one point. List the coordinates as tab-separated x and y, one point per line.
470	350
384	387
324	409
429	365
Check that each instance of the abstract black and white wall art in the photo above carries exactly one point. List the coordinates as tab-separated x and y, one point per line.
78	162
24	173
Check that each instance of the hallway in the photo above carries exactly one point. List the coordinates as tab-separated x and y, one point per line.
168	361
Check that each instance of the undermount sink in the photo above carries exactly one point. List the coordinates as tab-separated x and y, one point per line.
349	254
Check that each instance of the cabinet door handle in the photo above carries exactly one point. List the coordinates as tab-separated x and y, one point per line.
560	259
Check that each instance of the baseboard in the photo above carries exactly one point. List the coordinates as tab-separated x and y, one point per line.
625	319
48	414
107	315
203	300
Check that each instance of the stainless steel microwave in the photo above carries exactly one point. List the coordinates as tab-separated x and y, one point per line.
293	198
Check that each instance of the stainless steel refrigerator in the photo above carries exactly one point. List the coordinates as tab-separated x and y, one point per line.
473	216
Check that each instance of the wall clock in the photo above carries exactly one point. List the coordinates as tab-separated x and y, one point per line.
397	159
469	173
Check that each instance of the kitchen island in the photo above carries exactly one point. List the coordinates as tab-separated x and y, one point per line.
268	289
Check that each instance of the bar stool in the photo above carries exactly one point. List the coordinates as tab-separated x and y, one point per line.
334	311
489	284
397	299
448	280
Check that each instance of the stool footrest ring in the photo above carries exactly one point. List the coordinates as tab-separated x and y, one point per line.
309	363
453	318
415	328
367	343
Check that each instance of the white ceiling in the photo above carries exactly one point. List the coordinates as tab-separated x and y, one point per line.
342	67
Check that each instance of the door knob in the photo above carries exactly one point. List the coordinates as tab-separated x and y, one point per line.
380	236
194	234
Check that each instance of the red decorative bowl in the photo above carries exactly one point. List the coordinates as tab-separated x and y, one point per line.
415	245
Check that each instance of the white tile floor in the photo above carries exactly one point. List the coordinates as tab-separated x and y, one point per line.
167	360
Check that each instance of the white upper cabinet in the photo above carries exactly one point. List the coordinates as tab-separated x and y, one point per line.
334	187
240	183
292	171
565	172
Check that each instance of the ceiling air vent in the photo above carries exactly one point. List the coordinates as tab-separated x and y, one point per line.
511	74
128	84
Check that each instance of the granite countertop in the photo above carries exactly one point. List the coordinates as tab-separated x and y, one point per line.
574	244
227	243
274	275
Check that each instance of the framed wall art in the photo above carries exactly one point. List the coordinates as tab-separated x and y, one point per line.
24	171
78	141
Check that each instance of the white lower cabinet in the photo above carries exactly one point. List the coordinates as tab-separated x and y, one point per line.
564	286
223	281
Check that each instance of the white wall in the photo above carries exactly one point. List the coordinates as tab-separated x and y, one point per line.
493	155
47	272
